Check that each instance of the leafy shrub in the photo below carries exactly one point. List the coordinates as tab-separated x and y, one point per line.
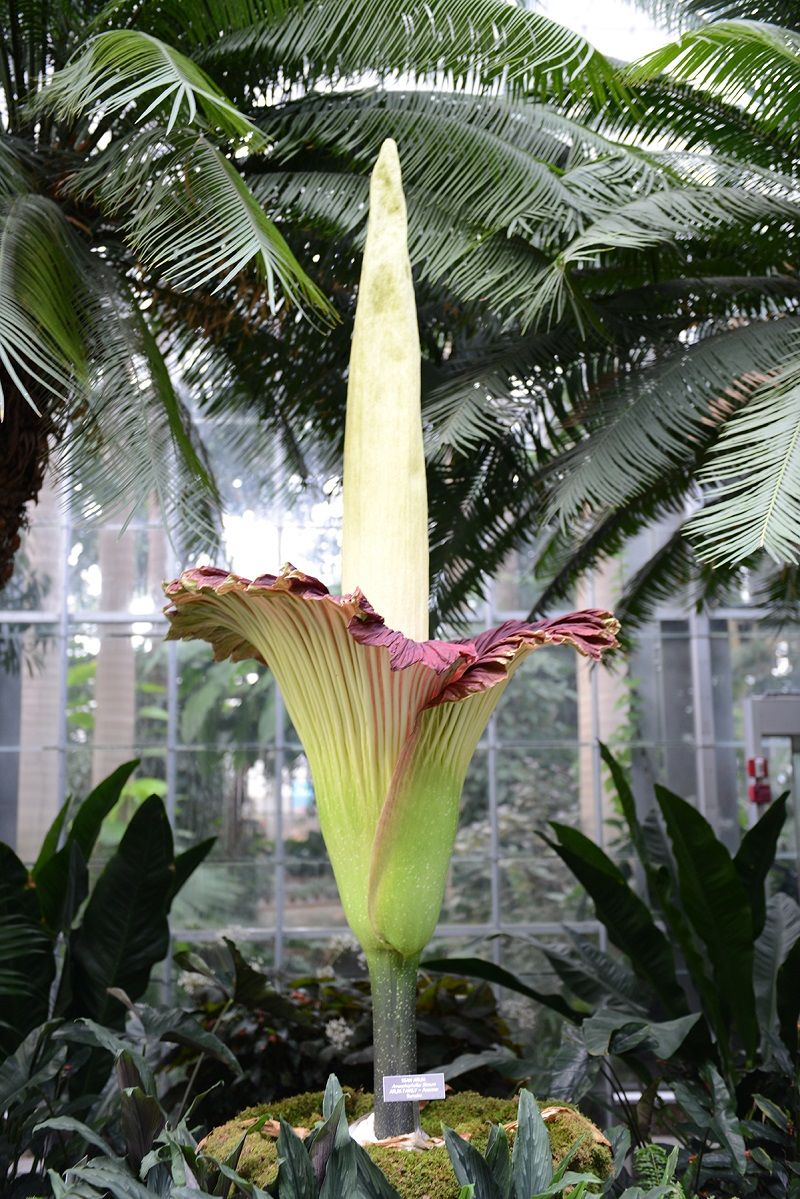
71	956
293	1039
702	995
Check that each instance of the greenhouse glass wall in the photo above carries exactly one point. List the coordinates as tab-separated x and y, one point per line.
87	682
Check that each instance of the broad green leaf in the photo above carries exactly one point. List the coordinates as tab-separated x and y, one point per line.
372	1183
788	1000
469	1166
76	1127
628	920
498	1158
187	862
333	1095
295	1173
142	1119
756	855
124	930
52	839
27	1004
478	968
32	1064
716	903
531	1157
780	934
341	1173
609	1031
88	819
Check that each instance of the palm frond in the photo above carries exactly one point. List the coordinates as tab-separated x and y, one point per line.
749	63
476	43
17	165
682	14
668	113
41	343
753	475
663	416
133	440
126	68
190	216
484	156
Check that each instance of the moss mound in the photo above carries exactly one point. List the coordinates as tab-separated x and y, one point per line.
426	1175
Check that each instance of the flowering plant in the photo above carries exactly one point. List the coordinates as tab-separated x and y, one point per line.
389	719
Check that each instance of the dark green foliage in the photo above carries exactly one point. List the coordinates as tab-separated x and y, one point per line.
158	1155
528	1172
703	997
73	957
281	1038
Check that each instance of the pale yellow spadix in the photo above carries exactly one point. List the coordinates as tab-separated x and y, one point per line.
385	530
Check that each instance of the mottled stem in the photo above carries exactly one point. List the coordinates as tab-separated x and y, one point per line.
394	1022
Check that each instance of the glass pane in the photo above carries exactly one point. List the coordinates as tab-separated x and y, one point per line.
540	889
535	786
149	778
468	895
228	794
223	703
541	704
116	571
232	897
116	691
30	796
473	835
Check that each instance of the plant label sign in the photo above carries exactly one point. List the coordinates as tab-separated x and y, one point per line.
400	1088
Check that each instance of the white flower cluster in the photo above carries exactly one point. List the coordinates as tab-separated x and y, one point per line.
339	1032
519	1012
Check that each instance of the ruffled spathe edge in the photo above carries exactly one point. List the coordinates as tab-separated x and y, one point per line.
465	667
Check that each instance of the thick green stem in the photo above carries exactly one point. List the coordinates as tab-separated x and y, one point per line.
394	1022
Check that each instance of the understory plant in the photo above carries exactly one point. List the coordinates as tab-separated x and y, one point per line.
388	718
316	1025
73	956
698	996
526	1172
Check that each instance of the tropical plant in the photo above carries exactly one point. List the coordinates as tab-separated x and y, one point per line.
525	1173
66	941
389	719
703	993
318	1024
72	953
162	1156
693	429
144	272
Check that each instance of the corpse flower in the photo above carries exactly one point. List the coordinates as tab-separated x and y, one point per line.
388	718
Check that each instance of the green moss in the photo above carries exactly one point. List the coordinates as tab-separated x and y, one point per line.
427	1175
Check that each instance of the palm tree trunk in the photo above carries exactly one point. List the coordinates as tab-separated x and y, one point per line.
25	441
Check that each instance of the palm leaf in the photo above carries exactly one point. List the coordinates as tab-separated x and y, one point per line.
663	416
133	442
191	217
211	228
41	345
754	475
485	157
750	63
478	43
124	67
677	14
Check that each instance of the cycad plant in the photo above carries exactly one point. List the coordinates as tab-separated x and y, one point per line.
675	342
142	184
